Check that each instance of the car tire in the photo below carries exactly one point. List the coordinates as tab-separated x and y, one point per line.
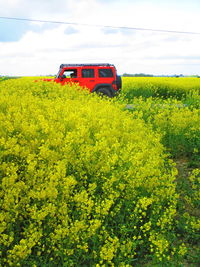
119	82
104	92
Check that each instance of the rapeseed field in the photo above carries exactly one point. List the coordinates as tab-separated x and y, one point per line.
91	181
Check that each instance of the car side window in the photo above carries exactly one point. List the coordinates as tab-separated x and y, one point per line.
88	73
70	73
103	73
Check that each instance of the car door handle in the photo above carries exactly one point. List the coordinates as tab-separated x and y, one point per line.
91	80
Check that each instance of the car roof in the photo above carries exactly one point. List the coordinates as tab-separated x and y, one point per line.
89	65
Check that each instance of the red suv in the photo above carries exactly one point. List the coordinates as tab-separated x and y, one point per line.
99	78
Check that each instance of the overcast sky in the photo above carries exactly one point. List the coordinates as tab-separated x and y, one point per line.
32	48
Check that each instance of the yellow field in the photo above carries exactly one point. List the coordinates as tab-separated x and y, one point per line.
87	182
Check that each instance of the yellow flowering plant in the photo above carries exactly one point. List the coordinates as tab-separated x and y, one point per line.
83	183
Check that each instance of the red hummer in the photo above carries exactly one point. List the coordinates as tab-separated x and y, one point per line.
99	78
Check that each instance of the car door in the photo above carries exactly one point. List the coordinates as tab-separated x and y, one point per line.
70	75
87	78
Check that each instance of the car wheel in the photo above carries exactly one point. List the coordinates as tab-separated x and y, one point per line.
104	92
119	82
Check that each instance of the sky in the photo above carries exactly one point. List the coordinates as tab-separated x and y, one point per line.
30	48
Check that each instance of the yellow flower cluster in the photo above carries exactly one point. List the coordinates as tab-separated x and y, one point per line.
192	202
179	125
83	183
161	87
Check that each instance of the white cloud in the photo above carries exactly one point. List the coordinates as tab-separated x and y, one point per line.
42	50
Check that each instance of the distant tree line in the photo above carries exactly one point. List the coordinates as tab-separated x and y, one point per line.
137	75
151	75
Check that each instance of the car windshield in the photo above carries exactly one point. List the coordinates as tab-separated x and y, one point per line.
58	74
